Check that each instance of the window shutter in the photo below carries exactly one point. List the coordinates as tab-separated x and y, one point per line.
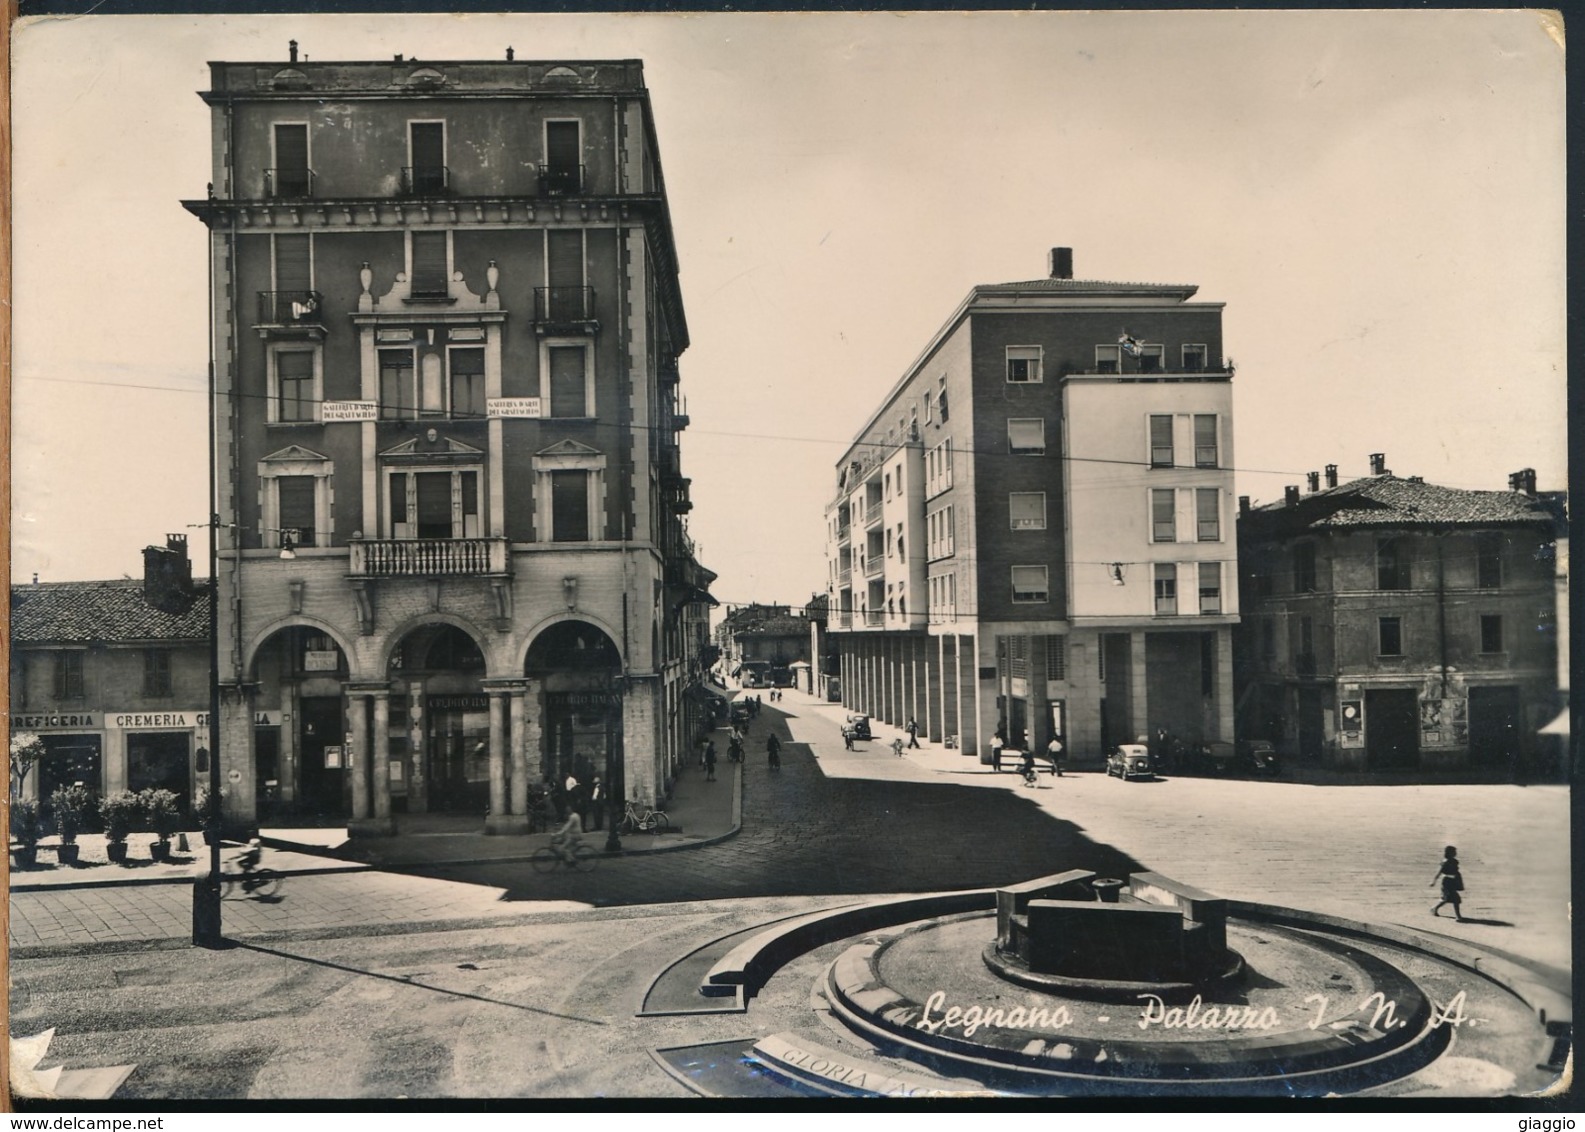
429	263
569	501
1026	435
292	270
429	145
296	505
567	397
562	148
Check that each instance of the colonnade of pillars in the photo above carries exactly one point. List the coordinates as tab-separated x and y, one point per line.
516	722
934	680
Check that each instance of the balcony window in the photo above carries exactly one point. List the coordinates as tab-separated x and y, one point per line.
1029	584
295	498
1163	515
1389	636
1210	587
442	504
1023	364
562	170
294	378
1205	447
1109	359
569	504
1161	455
1194	356
1027	510
1166	588
571	383
398	387
290	177
1150	358
1208	514
941	401
426	173
1026	436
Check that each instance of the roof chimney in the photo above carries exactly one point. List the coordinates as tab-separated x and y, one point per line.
1331	475
1243	504
168	575
1314	481
1523	480
510	55
291	50
1378	463
1061	263
1291	495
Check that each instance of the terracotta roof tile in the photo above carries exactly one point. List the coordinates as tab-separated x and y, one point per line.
101	611
1388	501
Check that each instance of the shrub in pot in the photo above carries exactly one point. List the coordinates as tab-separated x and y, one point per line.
119	811
71	805
164	818
25	832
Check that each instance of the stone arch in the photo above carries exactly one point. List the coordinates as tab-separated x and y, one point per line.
250	656
394	639
554	619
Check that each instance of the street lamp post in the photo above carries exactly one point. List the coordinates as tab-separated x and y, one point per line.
206	886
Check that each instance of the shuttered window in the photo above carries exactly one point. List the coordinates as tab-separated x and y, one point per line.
429	264
1208	517
1163	515
295	499
1161	455
433	504
68	676
292	270
569	504
563	157
568	397
398	394
429	156
1026	436
467	383
1028	510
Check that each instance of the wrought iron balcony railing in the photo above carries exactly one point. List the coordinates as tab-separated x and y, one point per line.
425	180
288	184
283	308
563	306
874	566
874	618
560	180
427	557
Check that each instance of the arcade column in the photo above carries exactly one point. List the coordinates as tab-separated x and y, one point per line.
369	817
239	806
639	741
508	773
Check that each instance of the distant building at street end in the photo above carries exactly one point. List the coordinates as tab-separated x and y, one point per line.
1032	534
825	663
761	643
114	678
1396	625
446	319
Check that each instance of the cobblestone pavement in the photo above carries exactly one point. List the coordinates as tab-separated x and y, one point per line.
834	822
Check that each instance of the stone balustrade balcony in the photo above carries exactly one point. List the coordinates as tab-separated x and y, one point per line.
428	557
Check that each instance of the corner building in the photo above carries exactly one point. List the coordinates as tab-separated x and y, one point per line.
446	323
1033	532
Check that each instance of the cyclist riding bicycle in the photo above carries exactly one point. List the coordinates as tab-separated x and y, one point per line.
568	837
249	858
1027	768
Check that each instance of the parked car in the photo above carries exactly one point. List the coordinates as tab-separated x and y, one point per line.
1258	756
857	727
1215	757
1130	760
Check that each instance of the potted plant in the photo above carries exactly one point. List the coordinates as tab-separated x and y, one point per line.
25	833
164	818
120	812
71	805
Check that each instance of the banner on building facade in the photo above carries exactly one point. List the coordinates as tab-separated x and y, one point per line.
338	412
498	407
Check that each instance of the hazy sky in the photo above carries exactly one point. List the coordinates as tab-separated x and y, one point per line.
1378	197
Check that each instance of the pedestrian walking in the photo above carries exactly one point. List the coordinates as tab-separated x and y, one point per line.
1056	750
709	760
996	752
1452	884
773	751
847	736
913	733
596	814
897	746
734	748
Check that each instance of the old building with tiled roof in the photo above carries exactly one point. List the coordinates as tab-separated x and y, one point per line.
1396	625
114	677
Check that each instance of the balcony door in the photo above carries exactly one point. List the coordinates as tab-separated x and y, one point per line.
440	504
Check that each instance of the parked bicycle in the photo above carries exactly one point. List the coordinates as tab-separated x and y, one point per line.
252	879
646	819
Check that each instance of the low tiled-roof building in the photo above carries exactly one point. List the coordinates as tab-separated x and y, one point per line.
114	677
1392	624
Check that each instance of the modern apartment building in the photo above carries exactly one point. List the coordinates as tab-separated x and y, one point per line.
1033	532
446	323
1396	625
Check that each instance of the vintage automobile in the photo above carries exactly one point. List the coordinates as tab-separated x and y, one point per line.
1258	756
857	727
1215	757
1130	760
739	716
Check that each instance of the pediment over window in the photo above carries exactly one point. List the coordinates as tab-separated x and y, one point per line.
419	449
294	454
568	448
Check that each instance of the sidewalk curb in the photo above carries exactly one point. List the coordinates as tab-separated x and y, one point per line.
137	882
